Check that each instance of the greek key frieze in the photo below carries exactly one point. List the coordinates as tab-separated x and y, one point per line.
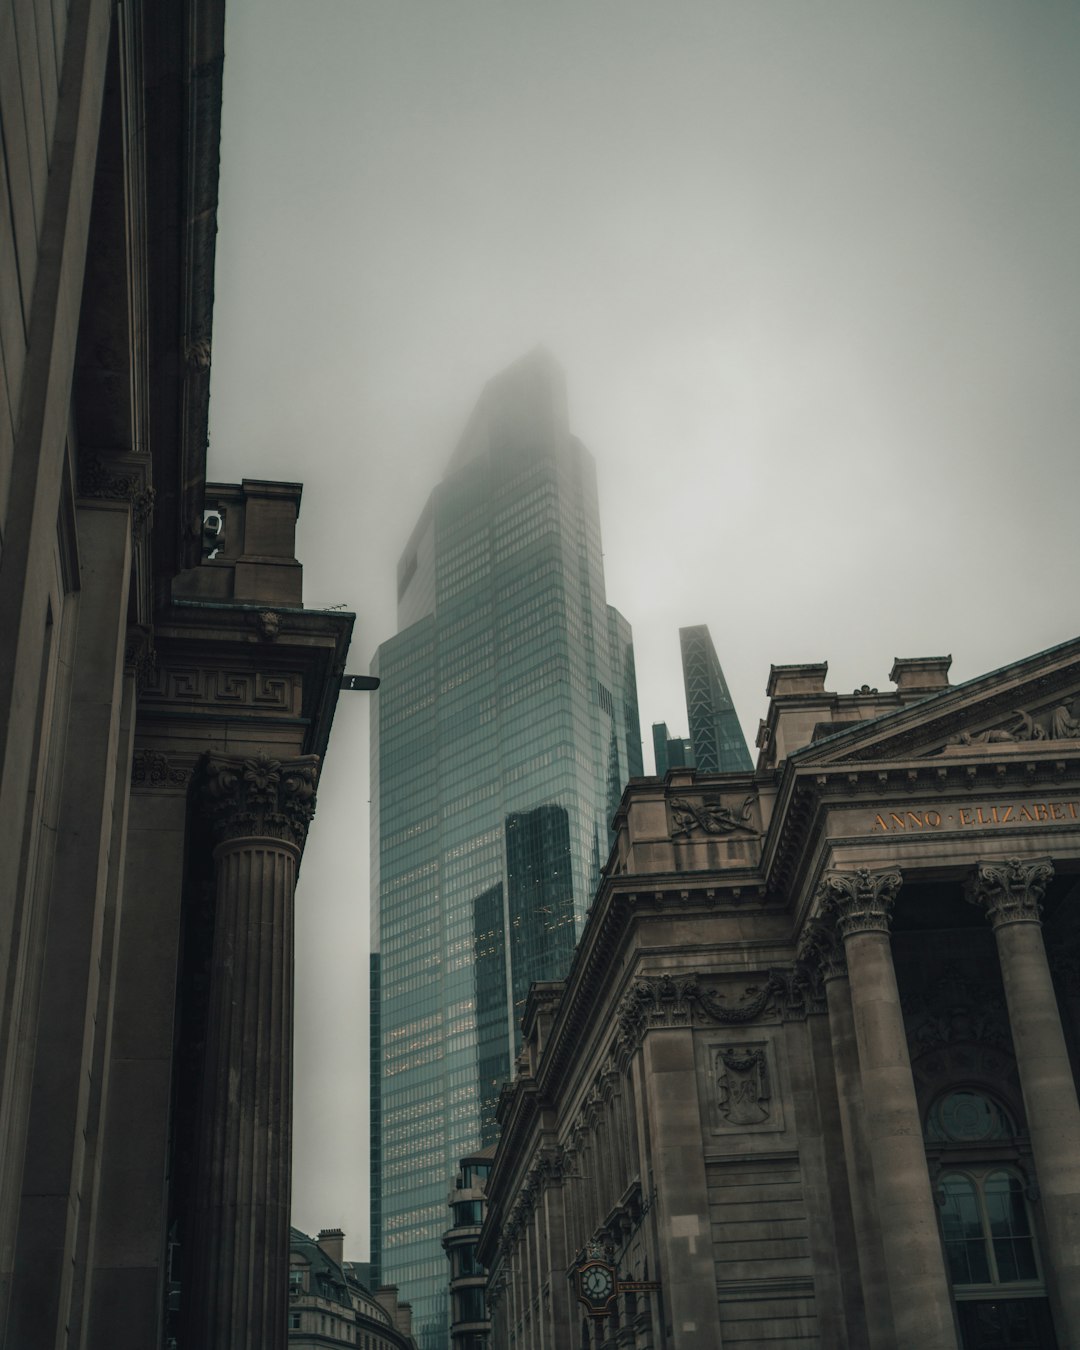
258	690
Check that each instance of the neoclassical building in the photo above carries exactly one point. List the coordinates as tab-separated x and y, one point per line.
330	1306
165	704
811	1079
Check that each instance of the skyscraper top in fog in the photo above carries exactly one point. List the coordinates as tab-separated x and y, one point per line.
717	739
716	743
502	735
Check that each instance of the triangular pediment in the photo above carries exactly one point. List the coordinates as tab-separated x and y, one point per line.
1033	702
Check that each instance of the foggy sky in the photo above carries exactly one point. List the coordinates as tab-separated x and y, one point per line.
812	270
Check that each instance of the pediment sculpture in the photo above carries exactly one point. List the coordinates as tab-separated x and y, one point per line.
1055	724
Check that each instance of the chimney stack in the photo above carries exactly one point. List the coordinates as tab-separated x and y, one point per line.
331	1241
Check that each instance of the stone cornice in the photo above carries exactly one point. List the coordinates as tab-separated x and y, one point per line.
217	659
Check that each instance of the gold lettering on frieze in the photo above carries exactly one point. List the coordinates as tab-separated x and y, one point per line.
975	817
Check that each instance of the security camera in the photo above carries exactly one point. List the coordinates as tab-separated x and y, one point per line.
213	532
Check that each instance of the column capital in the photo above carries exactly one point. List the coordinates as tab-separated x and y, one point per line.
1010	891
861	900
821	949
259	796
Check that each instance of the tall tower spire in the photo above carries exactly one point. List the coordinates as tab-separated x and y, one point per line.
715	734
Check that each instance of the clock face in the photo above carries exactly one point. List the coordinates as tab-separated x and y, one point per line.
597	1283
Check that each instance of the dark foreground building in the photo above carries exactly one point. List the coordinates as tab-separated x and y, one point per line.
163	713
812	1078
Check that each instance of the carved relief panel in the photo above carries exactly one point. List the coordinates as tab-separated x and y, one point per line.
739	1086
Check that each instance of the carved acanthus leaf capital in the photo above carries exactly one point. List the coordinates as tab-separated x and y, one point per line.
1011	891
821	948
259	796
861	901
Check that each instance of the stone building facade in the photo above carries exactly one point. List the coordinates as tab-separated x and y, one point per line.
811	1080
329	1305
470	1327
165	702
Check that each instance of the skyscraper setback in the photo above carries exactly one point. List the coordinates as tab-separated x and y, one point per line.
503	733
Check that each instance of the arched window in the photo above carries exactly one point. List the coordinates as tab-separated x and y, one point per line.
987	1229
986	1224
967	1117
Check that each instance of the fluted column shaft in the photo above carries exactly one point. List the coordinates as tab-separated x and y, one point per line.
860	1170
922	1312
1011	893
236	1283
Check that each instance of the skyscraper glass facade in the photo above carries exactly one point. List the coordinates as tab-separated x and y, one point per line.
670	752
504	730
716	737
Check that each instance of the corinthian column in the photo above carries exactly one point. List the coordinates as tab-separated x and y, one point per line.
825	949
922	1313
236	1284
1011	893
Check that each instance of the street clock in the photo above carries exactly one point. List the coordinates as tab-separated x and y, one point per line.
596	1286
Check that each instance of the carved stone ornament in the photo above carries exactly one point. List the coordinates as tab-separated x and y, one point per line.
261	797
1054	724
803	990
822	949
664	1001
140	656
951	1009
97	479
153	769
742	1085
710	816
1010	892
197	354
861	901
269	624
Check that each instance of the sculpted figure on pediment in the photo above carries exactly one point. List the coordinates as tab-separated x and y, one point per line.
1057	724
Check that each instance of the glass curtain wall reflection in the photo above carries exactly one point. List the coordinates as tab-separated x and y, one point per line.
504	730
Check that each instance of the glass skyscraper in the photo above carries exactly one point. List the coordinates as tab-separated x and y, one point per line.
716	737
504	730
716	743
